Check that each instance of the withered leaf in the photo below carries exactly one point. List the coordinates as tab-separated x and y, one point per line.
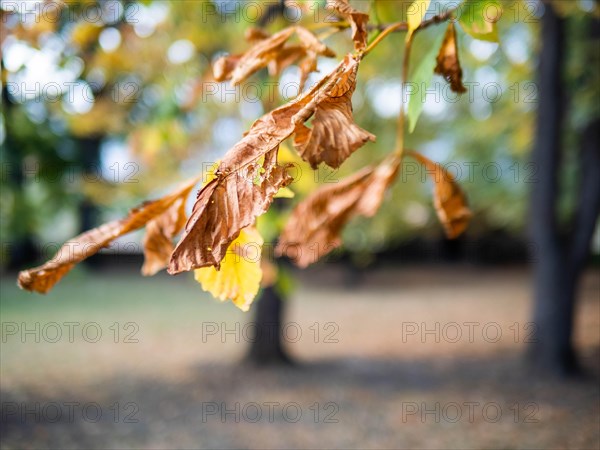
260	55
226	205
224	66
449	200
289	55
273	128
43	278
158	241
448	64
295	54
311	43
269	51
334	136
229	203
358	21
314	228
254	34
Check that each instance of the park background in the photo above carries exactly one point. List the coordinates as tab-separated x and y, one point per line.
105	104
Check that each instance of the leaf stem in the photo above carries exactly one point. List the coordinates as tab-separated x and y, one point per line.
399	151
403	26
390	29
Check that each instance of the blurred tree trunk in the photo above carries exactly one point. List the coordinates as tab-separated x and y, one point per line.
90	165
560	257
88	212
266	344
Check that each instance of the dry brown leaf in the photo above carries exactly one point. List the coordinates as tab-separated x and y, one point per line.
260	55
313	49
224	206
358	21
158	241
43	278
334	136
314	228
224	66
288	55
254	34
270	130
307	65
448	64
448	198
229	203
295	54
269	51
311	43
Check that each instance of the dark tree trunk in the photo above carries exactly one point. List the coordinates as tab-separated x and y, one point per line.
88	212
560	258
90	165
266	344
21	251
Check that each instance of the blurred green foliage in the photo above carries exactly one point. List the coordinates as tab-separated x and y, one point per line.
146	67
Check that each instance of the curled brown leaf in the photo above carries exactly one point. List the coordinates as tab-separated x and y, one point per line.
314	228
254	34
358	21
224	66
273	52
158	241
43	278
448	64
449	200
229	203
334	136
226	205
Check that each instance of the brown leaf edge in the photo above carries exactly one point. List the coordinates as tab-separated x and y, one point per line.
334	135
272	51
227	204
448	64
41	279
314	227
281	125
158	240
449	200
223	208
358	21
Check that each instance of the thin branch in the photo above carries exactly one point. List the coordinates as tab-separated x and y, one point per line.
399	26
402	116
390	29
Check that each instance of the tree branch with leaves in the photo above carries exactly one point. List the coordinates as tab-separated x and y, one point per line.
221	227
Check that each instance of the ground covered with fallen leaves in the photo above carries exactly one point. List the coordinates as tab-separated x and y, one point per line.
403	358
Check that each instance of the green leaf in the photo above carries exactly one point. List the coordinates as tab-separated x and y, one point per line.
420	78
479	17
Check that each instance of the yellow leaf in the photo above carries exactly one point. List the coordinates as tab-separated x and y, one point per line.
416	13
285	192
210	173
240	274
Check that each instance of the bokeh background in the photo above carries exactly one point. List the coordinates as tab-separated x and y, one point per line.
108	103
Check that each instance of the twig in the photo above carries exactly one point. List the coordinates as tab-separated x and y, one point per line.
403	26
